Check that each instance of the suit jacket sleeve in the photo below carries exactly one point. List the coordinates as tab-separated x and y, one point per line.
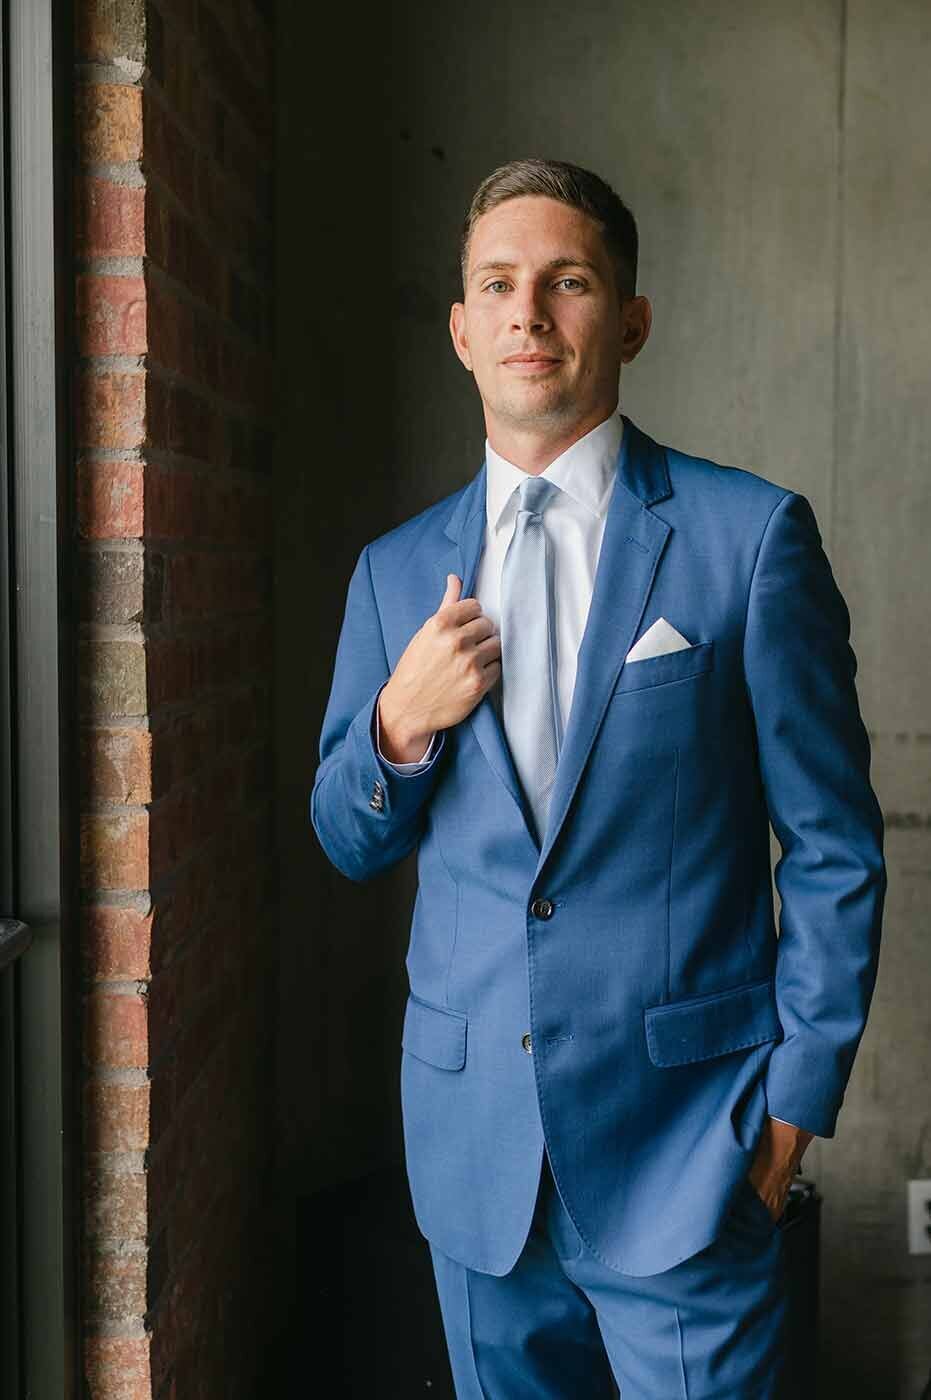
814	758
367	816
411	767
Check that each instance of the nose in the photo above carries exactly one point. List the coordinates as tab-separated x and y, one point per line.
528	311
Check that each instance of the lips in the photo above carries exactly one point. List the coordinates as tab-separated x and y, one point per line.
532	360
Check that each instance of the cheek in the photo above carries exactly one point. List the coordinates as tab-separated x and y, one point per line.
480	337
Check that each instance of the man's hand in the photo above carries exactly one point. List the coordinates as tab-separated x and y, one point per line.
443	673
779	1152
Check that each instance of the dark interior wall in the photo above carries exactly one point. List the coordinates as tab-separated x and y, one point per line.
338	484
775	165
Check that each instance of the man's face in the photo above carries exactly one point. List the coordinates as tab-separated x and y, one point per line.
540	282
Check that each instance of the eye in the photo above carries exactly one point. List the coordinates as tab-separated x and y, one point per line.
498	282
578	281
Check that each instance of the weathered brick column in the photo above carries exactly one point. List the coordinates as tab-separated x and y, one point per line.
173	283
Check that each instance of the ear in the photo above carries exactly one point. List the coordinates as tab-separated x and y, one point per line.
637	317
457	331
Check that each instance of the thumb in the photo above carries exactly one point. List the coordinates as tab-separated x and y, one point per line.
453	589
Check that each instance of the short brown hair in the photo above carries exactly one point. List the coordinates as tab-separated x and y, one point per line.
581	189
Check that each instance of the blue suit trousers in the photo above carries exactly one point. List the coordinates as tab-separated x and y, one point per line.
561	1325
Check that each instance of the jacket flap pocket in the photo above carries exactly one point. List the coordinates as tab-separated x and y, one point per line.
696	1029
669	666
434	1033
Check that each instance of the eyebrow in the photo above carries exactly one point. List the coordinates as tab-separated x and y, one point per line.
551	266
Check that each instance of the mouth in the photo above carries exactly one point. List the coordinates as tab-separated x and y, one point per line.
531	364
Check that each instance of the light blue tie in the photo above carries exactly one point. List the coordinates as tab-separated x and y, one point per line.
529	699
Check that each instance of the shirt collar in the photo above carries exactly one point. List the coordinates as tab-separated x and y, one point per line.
585	471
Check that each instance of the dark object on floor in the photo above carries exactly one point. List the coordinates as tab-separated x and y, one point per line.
801	1243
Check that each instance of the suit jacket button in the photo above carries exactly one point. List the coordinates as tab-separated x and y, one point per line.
541	908
527	1043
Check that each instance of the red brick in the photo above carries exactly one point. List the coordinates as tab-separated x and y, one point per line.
174	244
211	584
117	1368
115	1203
168	153
197	897
111	315
183	89
180	420
115	942
111	29
173	669
177	781
116	1030
186	744
187	817
116	1116
113	678
111	408
235	76
108	122
109	218
174	331
110	499
184	504
112	585
163	1001
115	850
115	1284
246	377
116	764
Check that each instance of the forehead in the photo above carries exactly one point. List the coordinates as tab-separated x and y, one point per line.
528	228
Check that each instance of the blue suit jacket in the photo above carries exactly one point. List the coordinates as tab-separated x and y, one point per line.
666	1016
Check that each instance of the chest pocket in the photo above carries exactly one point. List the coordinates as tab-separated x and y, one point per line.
672	666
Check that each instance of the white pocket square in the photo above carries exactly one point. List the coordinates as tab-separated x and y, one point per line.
656	641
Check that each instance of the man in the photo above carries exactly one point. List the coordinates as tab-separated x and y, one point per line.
611	1065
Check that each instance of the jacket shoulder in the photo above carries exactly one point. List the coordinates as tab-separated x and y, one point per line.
690	471
719	498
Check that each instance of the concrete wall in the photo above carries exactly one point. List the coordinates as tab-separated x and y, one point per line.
776	160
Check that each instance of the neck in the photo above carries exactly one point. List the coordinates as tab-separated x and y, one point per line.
531	448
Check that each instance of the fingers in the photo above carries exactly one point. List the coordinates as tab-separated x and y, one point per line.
489	650
481	627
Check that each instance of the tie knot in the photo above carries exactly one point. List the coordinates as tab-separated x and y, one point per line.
535	493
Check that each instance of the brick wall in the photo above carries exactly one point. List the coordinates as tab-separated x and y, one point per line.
173	286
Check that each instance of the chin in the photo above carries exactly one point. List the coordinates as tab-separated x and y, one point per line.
531	394
537	415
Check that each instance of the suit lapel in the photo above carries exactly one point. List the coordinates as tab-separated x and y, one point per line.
634	539
466	527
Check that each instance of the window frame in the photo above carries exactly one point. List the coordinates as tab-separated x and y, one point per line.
40	1053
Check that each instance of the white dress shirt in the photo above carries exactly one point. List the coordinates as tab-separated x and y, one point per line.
575	522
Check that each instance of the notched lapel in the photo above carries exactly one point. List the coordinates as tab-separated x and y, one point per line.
633	542
466	528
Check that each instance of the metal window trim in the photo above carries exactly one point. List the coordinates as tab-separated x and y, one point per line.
39	880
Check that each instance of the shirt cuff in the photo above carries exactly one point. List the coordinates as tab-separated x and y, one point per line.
413	767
